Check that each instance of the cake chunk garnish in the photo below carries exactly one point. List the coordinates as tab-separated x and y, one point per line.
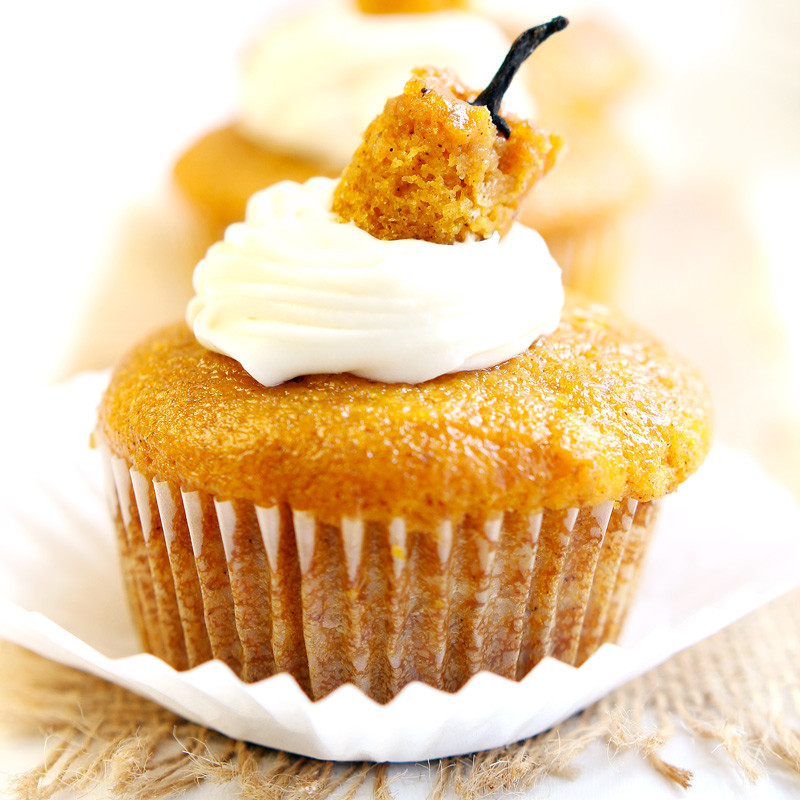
441	164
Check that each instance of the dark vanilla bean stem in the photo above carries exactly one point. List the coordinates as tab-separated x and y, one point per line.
522	47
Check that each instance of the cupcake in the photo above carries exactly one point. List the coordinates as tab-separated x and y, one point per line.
381	453
340	61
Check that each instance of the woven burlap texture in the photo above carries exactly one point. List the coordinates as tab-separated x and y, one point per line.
740	689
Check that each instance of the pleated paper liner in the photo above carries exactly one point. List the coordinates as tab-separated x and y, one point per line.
269	590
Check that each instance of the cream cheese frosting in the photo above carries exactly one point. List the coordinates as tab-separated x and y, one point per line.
315	80
291	291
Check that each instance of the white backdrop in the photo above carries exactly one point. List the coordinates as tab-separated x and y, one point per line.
99	99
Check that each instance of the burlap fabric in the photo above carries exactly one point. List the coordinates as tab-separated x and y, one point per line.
740	688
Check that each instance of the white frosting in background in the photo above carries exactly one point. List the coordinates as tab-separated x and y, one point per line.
316	79
517	15
293	292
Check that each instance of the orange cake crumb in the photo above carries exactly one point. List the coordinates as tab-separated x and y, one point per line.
431	166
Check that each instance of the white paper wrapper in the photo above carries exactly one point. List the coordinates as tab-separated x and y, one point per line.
727	543
270	590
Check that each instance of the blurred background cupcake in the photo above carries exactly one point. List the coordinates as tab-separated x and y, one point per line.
310	80
582	84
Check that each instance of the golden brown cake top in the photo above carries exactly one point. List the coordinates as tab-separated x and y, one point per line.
596	411
432	166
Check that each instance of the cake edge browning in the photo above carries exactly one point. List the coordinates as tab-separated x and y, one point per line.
597	411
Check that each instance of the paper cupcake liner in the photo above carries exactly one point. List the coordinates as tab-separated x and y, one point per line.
269	590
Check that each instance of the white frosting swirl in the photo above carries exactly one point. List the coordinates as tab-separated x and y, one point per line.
315	80
293	292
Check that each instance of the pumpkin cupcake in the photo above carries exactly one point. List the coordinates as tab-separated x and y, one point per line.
385	448
311	84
